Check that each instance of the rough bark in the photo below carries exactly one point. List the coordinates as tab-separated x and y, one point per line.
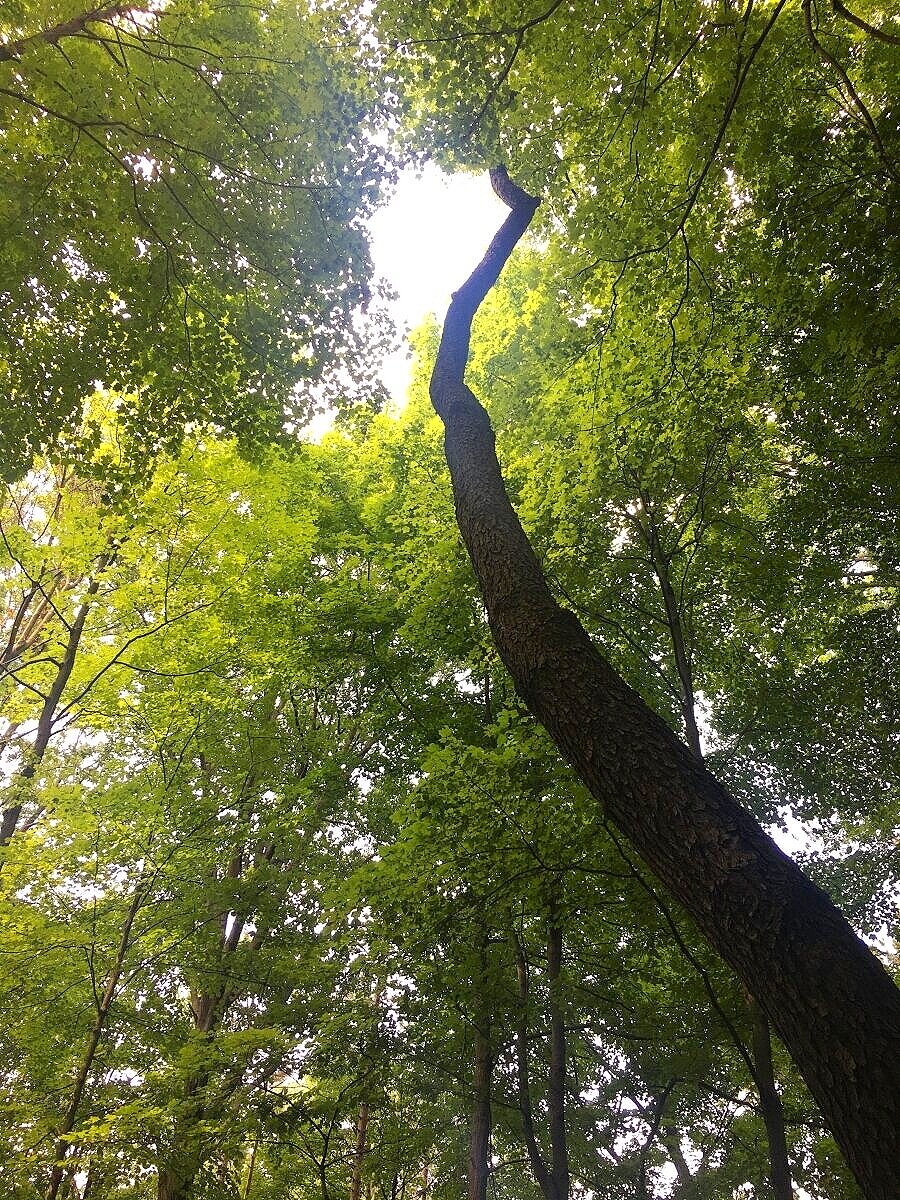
831	1001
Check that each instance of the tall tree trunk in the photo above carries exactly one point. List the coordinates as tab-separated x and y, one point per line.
359	1152
831	1001
764	1078
556	1088
67	1124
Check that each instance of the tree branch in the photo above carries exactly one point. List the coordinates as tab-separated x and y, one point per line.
51	36
876	32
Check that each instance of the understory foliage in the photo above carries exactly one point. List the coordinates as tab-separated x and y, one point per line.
282	851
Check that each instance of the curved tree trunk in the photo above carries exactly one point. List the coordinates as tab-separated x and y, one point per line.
831	1001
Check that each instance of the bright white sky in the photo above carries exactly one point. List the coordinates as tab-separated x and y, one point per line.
425	243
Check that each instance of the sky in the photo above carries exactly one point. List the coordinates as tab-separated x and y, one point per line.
425	243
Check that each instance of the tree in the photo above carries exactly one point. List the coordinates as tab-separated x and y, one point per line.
182	227
298	898
793	950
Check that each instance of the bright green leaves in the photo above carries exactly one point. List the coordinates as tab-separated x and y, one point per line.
183	227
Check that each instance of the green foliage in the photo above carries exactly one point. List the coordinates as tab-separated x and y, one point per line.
181	226
279	833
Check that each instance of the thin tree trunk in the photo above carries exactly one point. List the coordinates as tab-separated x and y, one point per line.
175	1179
770	1101
480	1118
676	634
671	1139
252	1166
44	732
67	1124
359	1152
556	1090
832	1002
543	1176
770	1105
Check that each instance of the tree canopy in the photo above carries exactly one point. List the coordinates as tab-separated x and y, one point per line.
297	898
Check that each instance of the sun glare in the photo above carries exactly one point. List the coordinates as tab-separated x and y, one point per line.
425	242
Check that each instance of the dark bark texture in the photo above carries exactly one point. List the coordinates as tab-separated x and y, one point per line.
831	1001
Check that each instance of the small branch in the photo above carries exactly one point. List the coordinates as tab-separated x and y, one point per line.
495	87
851	96
843	11
686	953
